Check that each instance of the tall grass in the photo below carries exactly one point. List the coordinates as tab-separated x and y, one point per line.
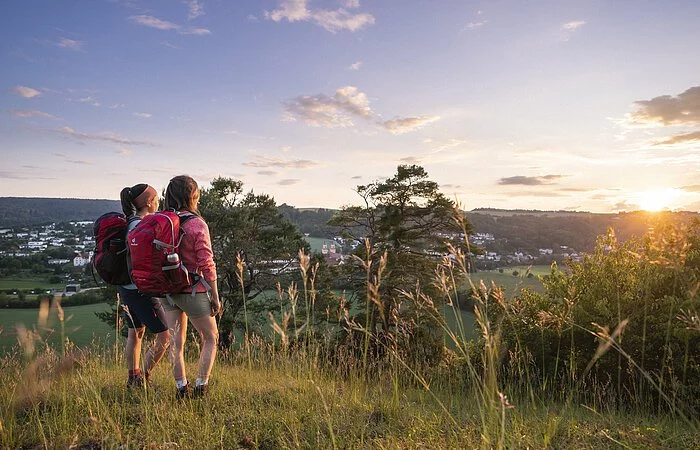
301	390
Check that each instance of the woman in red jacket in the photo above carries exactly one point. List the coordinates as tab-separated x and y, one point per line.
201	308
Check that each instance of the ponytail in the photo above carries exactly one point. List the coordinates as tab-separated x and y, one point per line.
127	196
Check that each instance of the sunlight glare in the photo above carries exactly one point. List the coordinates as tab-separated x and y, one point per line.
656	200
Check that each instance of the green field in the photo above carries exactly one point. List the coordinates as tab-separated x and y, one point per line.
510	283
317	243
82	327
28	283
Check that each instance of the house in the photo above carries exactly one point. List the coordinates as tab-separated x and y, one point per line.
82	259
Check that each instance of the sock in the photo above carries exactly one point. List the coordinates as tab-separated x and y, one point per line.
201	381
181	383
134	373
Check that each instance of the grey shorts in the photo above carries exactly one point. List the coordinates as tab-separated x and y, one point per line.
197	306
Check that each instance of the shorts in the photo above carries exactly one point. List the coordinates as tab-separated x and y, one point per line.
143	310
197	306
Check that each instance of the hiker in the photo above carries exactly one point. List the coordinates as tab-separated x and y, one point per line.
141	311
199	303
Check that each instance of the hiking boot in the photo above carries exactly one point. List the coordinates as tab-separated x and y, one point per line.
200	391
183	392
135	382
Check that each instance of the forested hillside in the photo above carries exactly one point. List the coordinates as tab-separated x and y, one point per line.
18	211
513	229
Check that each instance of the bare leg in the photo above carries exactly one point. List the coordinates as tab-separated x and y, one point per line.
156	351
133	347
177	326
206	326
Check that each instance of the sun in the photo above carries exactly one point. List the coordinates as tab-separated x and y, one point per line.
655	200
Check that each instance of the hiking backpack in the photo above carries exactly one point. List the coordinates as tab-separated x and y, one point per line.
156	268
109	259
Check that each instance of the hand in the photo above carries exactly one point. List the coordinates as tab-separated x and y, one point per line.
216	309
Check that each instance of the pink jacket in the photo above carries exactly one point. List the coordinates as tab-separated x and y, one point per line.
195	250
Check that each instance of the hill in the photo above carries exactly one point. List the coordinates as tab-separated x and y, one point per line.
25	211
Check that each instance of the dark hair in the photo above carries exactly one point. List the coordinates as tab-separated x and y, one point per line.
182	193
127	196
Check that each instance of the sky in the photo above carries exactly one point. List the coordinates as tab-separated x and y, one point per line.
552	105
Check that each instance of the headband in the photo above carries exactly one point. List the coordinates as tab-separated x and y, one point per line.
145	197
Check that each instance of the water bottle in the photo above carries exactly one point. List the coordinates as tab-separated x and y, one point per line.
173	258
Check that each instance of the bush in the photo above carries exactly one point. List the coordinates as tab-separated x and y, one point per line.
648	288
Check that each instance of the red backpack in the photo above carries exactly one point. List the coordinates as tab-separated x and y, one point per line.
156	268
109	259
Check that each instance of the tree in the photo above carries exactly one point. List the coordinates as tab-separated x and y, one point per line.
407	219
251	239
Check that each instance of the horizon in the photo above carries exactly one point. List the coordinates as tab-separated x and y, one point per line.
580	107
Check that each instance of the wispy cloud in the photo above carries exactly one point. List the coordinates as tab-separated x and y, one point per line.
288	182
267	173
32	113
153	22
569	28
356	65
159	24
124	151
143	115
6	174
70	44
692	188
693	137
195	9
106	136
67	158
529	181
573	25
90	100
475	25
407	124
279	163
26	91
411	160
683	109
331	20
331	112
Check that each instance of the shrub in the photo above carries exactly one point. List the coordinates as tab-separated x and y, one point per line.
648	287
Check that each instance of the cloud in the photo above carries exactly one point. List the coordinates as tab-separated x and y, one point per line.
153	22
71	160
534	194
143	115
124	151
6	174
683	109
195	9
573	25
70	44
90	100
105	137
331	20
680	139
411	160
475	25
26	92
267	173
323	111
407	124
693	188
32	113
356	177
196	31
288	181
266	161
451	187
569	28
356	65
529	181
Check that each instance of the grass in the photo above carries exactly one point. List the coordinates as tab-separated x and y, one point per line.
82	326
316	243
283	402
28	283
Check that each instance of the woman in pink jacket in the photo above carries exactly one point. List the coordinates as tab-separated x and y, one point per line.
182	195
